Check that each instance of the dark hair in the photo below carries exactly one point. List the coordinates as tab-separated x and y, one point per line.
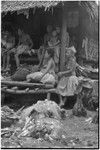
50	51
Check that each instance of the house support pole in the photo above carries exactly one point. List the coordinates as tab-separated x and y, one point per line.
63	38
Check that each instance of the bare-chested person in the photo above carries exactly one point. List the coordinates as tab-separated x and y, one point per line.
24	45
47	38
55	43
7	43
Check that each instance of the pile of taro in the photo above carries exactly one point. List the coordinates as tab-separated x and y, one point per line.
41	121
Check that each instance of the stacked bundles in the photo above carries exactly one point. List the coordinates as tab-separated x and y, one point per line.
42	120
39	121
8	116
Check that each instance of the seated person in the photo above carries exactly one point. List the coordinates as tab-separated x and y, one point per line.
54	39
47	72
67	39
68	80
7	43
47	37
24	45
58	32
54	42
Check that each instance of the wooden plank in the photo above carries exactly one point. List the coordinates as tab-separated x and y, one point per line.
22	84
10	91
26	84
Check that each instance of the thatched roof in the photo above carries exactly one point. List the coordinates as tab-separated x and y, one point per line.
18	5
89	6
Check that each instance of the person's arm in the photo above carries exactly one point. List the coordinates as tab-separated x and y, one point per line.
45	39
19	42
31	43
42	57
57	43
48	68
72	65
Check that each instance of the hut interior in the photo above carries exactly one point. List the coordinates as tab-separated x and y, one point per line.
35	20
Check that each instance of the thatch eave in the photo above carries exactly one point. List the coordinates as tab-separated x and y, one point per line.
11	6
91	7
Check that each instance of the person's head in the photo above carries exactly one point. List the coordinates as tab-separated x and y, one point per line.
54	33
5	34
49	53
20	32
58	29
49	28
70	51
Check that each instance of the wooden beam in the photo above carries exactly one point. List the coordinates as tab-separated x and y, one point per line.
10	91
26	84
63	38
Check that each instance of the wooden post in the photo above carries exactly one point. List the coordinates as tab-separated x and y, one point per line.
63	38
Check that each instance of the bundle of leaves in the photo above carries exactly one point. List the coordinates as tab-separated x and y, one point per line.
8	116
79	110
48	108
42	119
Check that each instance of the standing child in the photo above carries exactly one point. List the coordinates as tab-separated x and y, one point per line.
58	30
47	72
54	42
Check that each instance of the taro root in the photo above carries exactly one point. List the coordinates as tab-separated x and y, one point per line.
83	90
96	118
49	108
43	120
78	109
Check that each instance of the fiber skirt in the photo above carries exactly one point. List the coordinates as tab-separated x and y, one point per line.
67	85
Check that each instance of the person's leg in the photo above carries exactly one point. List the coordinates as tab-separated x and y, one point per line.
8	59
20	50
40	53
4	60
8	56
17	60
62	100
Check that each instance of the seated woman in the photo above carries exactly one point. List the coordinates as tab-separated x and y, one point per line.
54	42
47	72
68	80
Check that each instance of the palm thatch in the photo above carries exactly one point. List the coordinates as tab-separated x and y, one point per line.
89	6
18	5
